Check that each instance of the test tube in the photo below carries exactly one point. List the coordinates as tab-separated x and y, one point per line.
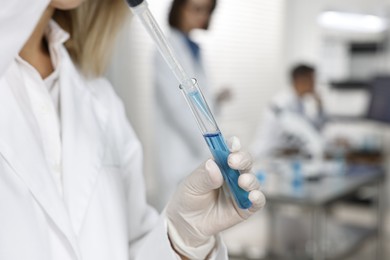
214	140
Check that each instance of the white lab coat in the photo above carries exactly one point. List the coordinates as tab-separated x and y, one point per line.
103	214
298	128
180	147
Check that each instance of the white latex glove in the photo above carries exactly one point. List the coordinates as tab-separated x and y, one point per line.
202	207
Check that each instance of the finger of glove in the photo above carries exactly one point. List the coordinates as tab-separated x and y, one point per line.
233	144
258	200
241	161
248	182
206	178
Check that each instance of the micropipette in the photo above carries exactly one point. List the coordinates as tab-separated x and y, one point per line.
196	102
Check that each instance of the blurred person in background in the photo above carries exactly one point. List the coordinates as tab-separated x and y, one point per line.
71	181
291	129
293	120
174	124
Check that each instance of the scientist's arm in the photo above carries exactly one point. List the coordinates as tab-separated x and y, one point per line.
174	106
18	19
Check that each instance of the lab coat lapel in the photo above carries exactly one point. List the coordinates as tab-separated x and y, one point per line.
21	147
83	121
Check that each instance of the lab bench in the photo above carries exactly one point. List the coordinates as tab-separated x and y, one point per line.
317	199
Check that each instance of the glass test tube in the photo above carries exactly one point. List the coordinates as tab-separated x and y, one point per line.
215	141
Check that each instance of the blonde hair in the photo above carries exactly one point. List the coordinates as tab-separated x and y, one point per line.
93	27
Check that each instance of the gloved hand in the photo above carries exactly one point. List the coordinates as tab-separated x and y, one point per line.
202	206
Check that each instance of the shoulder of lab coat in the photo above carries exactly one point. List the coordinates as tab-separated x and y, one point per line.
18	19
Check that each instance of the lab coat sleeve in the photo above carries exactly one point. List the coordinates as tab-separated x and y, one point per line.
174	106
147	231
18	19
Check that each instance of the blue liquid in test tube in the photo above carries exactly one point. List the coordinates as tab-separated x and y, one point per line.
220	153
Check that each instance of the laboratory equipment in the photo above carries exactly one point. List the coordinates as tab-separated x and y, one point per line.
379	105
299	127
196	101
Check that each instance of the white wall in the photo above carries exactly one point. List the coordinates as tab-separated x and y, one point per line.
302	37
305	39
242	49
